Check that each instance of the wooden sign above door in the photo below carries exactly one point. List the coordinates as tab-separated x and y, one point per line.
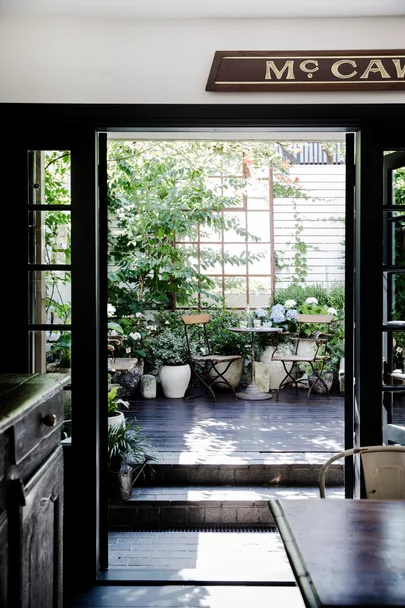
307	71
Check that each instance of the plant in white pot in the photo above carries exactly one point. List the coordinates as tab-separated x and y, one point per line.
115	416
128	454
170	356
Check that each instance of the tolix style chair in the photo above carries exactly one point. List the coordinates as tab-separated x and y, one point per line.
383	468
315	359
210	360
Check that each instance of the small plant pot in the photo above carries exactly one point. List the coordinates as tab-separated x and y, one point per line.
117	420
120	483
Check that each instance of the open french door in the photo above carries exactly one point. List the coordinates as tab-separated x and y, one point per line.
379	289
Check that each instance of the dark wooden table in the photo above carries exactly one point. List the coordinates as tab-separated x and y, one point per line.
345	552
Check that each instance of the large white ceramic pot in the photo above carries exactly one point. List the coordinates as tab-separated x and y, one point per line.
174	380
117	420
233	373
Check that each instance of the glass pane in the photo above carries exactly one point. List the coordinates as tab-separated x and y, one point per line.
259	225
210	259
394	176
238	220
258	202
215	292
235	292
50	293
50	177
234	189
235	259
210	235
259	291
260	265
49	237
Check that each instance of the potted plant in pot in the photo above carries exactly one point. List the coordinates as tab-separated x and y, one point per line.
169	354
128	455
115	416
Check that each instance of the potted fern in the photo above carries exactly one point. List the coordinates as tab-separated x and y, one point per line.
128	455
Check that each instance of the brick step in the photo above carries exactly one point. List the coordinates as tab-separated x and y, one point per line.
198	555
253	468
190	506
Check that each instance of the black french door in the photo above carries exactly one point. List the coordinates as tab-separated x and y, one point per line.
55	300
379	286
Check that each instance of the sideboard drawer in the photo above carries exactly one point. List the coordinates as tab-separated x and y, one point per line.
38	433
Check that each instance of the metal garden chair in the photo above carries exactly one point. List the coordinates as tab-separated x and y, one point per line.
315	360
383	467
210	360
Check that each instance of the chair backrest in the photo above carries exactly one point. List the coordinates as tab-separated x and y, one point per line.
383	467
201	320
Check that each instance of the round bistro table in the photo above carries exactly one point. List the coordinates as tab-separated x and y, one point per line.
253	392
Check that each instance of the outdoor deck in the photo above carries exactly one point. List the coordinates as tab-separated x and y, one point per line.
236	431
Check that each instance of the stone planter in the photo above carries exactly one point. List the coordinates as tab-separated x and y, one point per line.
318	387
174	380
233	375
127	372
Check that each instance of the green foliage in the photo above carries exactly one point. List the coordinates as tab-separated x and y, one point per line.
399	284
61	349
223	341
168	348
127	446
333	296
164	192
113	402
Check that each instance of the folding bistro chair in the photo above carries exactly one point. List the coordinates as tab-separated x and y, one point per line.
319	356
383	468
210	361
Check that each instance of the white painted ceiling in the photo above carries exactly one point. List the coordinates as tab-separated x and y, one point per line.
204	9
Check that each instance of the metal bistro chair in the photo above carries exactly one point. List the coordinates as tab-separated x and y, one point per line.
319	355
210	360
383	467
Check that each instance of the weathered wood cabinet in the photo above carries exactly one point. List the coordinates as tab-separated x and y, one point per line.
31	490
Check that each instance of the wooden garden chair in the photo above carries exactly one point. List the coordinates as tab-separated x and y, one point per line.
210	360
315	360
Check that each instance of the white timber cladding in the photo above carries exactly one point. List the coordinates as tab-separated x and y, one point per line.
318	214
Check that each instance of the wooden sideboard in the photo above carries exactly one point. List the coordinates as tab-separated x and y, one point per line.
31	490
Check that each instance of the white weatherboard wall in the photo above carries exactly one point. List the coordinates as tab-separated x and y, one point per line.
90	60
318	214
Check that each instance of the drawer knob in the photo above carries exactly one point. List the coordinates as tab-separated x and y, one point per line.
49	420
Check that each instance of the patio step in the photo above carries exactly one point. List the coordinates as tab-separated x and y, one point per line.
242	468
191	506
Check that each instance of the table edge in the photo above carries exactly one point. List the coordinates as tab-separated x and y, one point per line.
295	558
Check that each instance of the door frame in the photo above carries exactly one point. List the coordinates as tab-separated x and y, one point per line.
79	125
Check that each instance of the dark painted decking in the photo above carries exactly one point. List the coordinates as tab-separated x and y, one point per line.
236	431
